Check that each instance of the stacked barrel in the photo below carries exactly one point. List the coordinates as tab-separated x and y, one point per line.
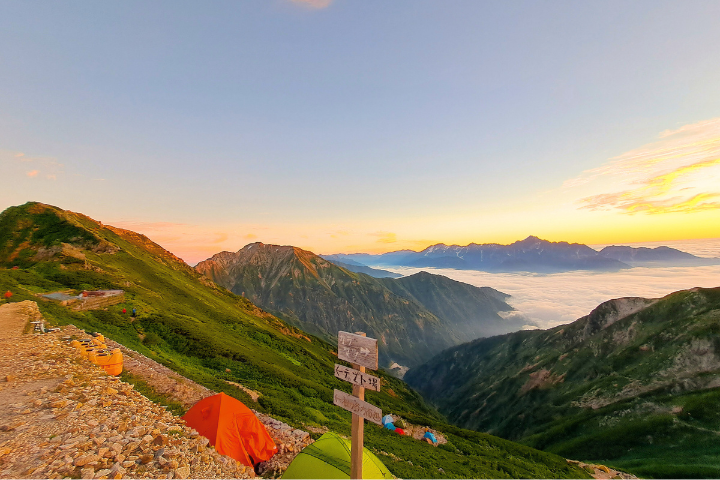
95	350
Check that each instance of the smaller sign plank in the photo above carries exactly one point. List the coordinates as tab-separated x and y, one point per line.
358	350
356	377
357	406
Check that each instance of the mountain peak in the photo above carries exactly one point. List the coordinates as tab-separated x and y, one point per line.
531	240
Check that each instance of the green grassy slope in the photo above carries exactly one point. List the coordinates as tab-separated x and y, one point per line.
201	330
634	385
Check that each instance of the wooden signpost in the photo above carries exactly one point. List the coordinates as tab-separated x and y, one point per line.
361	352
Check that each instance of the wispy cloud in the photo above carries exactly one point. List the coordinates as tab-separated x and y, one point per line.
680	173
16	164
221	237
318	4
385	237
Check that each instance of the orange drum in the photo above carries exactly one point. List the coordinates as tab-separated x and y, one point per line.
112	362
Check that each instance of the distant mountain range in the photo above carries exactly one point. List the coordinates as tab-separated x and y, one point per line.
413	317
357	267
634	384
658	256
530	255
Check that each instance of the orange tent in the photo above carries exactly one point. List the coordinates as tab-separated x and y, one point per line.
232	428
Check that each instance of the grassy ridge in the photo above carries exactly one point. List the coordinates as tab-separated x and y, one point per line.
633	385
201	331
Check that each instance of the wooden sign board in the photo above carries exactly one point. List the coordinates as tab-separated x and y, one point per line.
357	349
357	406
356	377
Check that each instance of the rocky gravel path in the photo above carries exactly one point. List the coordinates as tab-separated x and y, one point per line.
14	317
61	416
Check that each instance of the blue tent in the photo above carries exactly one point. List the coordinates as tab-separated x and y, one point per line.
387	419
390	426
430	436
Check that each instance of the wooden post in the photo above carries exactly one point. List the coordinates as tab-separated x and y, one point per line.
358	430
361	352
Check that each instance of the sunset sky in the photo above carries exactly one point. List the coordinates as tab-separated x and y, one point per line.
347	126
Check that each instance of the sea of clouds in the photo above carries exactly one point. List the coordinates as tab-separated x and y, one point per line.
554	299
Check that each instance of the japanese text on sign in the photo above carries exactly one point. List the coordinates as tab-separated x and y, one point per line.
357	406
356	377
357	349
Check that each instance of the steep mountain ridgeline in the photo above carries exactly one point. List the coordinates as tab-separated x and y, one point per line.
213	337
413	318
631	384
321	298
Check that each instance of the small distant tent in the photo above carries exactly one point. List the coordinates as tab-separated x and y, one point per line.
387	419
429	435
232	428
329	457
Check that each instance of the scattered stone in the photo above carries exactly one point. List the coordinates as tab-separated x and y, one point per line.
102	473
85	459
87	473
182	472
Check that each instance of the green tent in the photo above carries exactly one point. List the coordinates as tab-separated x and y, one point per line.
329	457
